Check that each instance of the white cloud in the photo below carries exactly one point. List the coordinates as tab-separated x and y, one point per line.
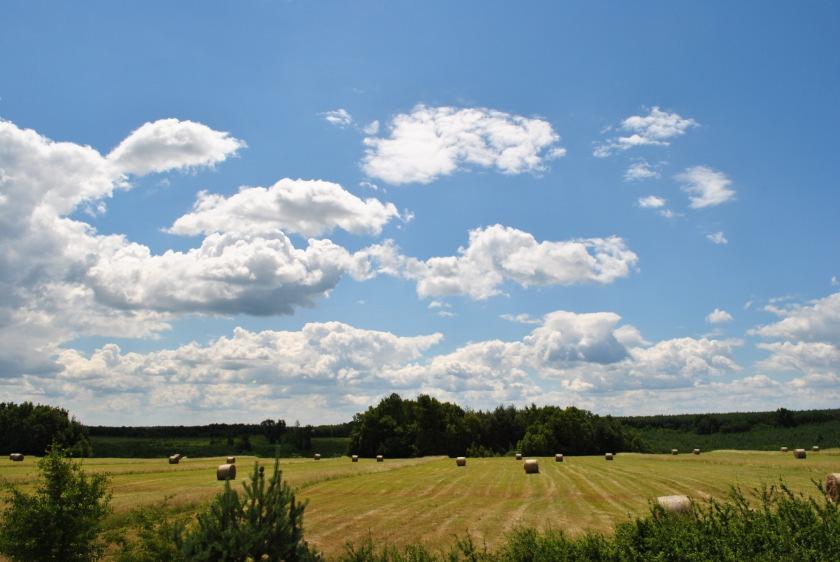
706	187
430	142
170	144
522	318
308	207
371	128
640	171
834	281
718	316
818	321
717	238
338	117
497	254
651	202
655	128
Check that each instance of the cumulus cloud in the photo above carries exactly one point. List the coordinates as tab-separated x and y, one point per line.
338	117
640	171
170	144
308	207
717	238
656	128
718	316
430	142
651	202
497	254
817	321
706	187
522	318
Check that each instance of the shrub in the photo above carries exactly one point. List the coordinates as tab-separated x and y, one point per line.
61	519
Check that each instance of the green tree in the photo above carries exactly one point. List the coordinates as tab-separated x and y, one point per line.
61	519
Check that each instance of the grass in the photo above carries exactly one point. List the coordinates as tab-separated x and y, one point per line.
151	447
432	501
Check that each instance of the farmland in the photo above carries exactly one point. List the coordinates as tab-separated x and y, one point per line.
432	501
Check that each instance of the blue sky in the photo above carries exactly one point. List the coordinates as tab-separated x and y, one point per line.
646	165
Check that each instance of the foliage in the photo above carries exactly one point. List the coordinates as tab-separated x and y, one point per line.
425	426
784	526
30	428
735	422
266	522
61	519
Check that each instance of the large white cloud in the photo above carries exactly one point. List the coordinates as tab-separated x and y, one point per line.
656	128
816	321
706	187
497	254
430	142
308	207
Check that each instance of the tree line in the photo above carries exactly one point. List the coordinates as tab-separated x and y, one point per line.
735	422
30	429
398	427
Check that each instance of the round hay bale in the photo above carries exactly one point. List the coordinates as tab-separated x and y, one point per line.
16	457
317	456
558	457
815	448
799	453
784	449
696	451
608	456
674	504
675	451
226	472
832	487
174	459
519	456
380	458
354	458
230	460
531	466
461	461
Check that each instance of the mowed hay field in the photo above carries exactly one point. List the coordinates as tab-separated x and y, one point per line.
433	501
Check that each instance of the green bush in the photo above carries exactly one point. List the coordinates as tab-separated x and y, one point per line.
61	519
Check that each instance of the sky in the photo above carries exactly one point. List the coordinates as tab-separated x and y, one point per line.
219	212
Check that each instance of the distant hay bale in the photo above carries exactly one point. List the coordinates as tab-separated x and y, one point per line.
17	457
815	448
519	456
174	459
355	458
608	456
230	460
696	451
832	487
675	451
531	466
461	461
226	472
784	449
317	456
799	453
558	457
674	504
380	458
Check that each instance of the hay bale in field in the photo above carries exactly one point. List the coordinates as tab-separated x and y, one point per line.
815	448
696	451
354	458
832	487
519	456
226	472
380	458
317	456
608	456
799	453
531	466
461	461
784	449
558	457
674	504
16	457
675	451
230	460
174	459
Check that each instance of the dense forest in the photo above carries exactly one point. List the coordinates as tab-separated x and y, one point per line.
398	427
29	429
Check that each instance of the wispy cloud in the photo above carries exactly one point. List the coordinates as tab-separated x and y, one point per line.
656	128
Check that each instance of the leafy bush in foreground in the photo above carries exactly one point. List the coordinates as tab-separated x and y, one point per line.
783	526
